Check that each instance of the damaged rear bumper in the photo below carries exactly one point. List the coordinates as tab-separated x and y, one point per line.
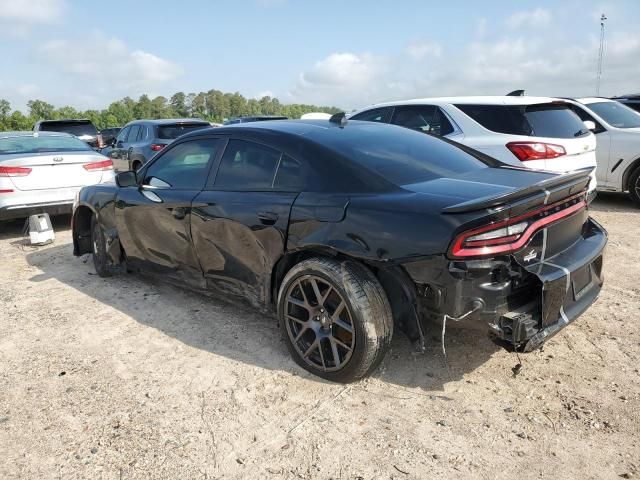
524	299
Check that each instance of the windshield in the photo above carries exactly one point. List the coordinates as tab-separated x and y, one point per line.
41	144
173	131
616	114
542	120
404	157
74	128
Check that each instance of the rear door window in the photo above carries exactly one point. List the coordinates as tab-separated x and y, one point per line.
291	175
380	115
247	166
540	120
424	118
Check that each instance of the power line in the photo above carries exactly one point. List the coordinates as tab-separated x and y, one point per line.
603	18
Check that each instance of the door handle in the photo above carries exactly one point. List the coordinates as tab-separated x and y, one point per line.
268	218
179	212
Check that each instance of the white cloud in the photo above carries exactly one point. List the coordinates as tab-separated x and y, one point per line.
419	50
339	77
534	18
31	12
107	67
542	65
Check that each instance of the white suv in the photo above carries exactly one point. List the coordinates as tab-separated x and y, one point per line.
534	132
617	128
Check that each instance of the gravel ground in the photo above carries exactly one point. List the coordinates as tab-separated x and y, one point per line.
127	378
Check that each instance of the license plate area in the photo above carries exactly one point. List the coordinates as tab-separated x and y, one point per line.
580	280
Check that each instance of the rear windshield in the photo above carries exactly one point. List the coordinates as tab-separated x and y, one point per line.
542	120
74	128
41	144
616	114
173	131
404	156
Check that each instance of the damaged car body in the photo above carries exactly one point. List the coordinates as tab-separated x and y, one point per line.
345	229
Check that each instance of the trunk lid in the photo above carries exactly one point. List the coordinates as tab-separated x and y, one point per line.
497	197
54	170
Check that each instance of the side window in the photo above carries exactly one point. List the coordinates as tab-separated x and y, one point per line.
582	113
381	115
247	166
143	132
133	133
441	124
417	117
123	134
291	175
184	166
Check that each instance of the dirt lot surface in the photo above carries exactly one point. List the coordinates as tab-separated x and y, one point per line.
127	377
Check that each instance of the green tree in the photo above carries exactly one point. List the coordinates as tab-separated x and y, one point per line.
213	105
40	110
179	104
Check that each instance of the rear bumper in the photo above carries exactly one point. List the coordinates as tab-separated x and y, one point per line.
8	213
523	305
19	204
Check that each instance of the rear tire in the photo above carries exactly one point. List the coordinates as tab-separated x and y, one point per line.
634	186
335	318
100	259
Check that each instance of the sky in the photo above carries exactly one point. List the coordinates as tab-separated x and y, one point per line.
330	52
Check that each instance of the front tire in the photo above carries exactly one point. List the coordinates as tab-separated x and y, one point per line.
634	186
335	318
100	261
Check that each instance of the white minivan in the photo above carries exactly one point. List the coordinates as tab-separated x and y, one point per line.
535	132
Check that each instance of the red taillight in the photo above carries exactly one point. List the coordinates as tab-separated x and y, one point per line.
6	191
513	233
14	171
100	141
156	147
526	151
96	166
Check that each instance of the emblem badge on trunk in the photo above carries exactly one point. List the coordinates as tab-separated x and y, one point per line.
57	159
530	256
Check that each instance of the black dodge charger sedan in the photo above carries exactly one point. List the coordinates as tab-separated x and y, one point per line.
346	229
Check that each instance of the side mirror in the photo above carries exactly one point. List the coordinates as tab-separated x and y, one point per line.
589	125
127	179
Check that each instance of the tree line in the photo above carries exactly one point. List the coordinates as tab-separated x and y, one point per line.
213	106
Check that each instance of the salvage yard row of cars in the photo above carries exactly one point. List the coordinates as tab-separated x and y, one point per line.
348	227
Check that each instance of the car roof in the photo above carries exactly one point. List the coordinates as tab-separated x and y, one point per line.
29	133
66	120
588	100
168	121
475	100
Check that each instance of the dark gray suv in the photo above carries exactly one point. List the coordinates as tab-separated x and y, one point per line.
140	140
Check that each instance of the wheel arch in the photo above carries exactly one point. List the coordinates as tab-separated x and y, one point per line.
395	281
626	176
81	229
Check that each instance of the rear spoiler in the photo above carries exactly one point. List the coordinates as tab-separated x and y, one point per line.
577	178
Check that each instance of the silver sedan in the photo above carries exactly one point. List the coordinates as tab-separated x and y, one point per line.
42	172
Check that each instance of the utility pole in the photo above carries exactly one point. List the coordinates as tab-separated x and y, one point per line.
603	18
